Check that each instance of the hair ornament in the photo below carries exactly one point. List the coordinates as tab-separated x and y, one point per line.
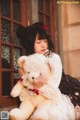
44	27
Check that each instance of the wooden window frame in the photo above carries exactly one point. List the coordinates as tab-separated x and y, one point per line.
6	101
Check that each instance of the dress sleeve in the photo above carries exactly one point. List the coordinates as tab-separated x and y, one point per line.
51	88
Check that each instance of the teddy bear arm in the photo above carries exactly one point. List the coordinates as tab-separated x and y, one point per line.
17	89
28	107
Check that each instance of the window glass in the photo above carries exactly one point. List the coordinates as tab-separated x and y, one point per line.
6	82
5	8
16	76
47	6
16	10
16	56
5	30
48	22
15	38
40	5
41	17
6	53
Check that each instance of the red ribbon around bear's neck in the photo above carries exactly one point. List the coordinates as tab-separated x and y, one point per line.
35	91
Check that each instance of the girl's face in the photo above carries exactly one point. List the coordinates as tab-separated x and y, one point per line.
40	46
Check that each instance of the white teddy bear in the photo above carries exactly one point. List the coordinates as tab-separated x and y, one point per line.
33	66
34	101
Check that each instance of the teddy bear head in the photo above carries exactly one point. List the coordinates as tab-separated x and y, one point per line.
34	66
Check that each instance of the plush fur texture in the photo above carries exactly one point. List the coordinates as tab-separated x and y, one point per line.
33	67
38	106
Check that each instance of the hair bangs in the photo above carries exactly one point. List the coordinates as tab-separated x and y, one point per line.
42	35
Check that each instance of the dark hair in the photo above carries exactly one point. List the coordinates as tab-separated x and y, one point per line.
28	34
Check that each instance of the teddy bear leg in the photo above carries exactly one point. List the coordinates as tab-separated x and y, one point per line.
15	113
23	112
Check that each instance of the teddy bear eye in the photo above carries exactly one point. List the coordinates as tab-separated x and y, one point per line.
33	77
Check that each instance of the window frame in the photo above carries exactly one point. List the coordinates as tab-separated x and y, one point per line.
51	16
6	101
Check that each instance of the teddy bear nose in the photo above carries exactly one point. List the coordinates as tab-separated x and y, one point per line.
32	77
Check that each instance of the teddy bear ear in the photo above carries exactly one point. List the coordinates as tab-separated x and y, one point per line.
21	61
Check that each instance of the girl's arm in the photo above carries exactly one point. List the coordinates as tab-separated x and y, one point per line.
50	90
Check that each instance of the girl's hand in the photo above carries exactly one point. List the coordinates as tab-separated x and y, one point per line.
39	82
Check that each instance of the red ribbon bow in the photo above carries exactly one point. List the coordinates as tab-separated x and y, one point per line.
44	27
35	91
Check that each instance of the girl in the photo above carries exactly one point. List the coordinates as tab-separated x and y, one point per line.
35	39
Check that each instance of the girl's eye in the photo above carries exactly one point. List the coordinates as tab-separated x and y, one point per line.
28	72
